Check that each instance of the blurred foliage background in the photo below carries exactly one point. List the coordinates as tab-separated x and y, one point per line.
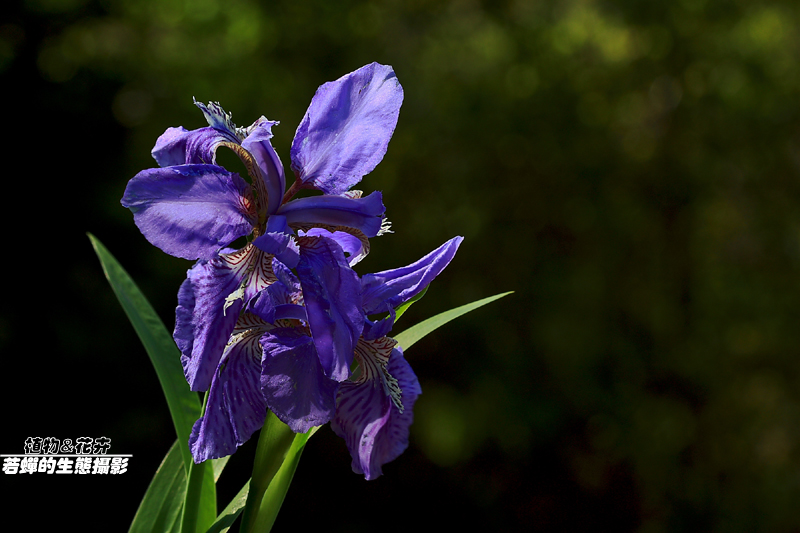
629	168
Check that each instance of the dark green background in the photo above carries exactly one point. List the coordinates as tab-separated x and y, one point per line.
630	169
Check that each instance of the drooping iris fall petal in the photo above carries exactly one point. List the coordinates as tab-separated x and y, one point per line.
209	302
374	413
293	382
235	408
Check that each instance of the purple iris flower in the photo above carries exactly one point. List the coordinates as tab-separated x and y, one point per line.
374	410
192	208
273	362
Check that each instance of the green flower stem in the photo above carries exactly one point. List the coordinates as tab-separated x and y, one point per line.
273	444
200	503
191	505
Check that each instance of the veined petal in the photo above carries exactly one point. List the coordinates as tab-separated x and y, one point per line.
355	248
179	146
364	214
280	300
388	289
209	302
235	407
292	381
331	292
190	211
374	413
280	245
259	145
346	130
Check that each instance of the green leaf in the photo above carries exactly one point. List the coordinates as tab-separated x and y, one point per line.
161	506
276	459
200	503
184	405
410	336
402	308
191	503
228	516
219	466
273	499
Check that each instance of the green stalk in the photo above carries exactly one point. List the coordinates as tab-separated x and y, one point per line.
195	499
273	444
191	505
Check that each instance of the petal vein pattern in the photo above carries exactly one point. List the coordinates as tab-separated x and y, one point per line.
367	417
206	312
235	407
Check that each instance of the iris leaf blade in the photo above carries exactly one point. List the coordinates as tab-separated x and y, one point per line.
184	405
409	337
279	486
200	503
276	460
228	516
160	508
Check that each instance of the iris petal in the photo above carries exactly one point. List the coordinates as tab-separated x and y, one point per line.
259	145
364	214
190	211
347	128
280	245
235	407
388	289
351	245
179	146
292	380
373	425
331	293
209	302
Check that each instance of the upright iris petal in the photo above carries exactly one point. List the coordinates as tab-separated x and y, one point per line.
346	130
267	161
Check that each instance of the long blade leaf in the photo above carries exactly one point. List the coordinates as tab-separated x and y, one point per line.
200	503
276	493
160	508
410	336
184	406
229	514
